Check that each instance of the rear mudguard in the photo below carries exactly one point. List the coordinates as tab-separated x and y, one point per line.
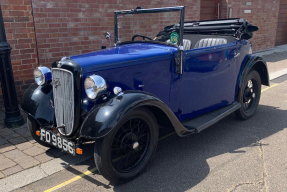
104	117
37	102
252	62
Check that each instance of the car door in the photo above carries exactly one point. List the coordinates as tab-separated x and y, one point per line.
208	79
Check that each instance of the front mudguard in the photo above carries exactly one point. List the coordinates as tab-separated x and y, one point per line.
104	117
37	102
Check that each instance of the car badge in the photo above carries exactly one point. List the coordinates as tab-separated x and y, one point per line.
60	63
56	82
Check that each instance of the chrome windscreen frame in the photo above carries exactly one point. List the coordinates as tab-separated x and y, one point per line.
157	10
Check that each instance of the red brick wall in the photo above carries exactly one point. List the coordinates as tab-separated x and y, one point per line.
224	9
264	14
20	34
72	27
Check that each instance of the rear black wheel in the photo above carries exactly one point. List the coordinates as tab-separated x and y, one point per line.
126	150
249	96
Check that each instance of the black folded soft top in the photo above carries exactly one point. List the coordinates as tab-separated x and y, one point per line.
239	28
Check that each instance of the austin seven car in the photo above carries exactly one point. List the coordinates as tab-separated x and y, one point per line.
156	72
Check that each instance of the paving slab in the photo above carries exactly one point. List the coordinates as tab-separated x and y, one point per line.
14	154
21	179
1	175
11	136
17	140
3	141
277	49
30	139
44	157
6	147
34	151
8	133
23	131
276	62
56	152
27	162
6	163
12	170
42	147
59	164
25	145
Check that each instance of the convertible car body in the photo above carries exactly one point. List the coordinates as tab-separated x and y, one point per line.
191	75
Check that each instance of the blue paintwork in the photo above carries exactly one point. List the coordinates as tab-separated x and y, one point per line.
124	55
208	81
129	65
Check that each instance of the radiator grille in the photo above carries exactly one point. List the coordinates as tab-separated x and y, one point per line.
63	92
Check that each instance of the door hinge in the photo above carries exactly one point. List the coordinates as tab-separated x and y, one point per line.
178	61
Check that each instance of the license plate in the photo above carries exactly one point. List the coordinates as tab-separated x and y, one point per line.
57	141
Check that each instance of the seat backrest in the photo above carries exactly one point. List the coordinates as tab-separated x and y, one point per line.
186	44
210	42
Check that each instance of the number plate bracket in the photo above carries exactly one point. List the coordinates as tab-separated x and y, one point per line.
58	141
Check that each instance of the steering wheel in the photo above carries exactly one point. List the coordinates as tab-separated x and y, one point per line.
144	37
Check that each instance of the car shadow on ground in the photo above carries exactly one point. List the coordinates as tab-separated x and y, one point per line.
181	163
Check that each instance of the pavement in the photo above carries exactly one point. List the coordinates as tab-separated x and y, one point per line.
23	161
232	155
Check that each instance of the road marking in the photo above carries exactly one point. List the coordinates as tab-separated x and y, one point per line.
95	169
71	180
269	87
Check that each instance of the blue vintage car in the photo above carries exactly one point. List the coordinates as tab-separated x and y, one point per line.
188	76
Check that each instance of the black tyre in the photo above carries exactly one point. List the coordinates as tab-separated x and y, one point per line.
33	127
126	150
249	96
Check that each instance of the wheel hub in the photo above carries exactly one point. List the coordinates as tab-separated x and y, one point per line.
249	95
135	145
129	141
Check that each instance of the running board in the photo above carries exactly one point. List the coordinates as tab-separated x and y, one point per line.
204	121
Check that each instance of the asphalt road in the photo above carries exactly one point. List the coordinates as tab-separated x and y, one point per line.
232	155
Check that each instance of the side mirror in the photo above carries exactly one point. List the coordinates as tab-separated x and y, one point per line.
108	37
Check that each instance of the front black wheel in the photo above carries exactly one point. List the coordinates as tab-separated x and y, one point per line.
249	96
126	150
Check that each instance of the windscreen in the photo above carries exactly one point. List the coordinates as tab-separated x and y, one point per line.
148	25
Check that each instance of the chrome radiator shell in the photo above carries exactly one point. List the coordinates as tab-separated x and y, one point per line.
64	101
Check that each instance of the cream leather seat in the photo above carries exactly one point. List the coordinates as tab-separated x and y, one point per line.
208	42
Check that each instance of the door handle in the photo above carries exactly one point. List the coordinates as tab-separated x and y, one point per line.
236	54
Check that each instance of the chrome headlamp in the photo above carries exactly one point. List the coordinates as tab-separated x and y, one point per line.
42	75
95	86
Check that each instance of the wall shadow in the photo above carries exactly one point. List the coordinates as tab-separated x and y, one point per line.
275	57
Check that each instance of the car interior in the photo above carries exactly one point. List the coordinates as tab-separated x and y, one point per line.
195	41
